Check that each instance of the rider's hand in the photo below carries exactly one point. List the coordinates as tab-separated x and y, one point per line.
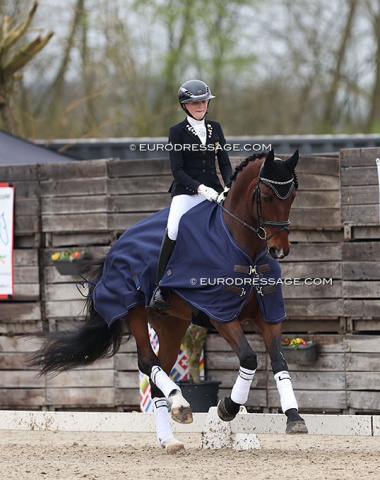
209	193
222	196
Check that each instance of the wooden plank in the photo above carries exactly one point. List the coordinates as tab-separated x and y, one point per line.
126	361
120	222
314	308
83	378
74	187
361	270
26	292
361	308
316	218
360	214
229	361
75	223
362	343
20	312
316	236
365	232
318	164
21	379
317	182
26	224
73	205
85	169
311	270
361	176
139	203
303	380
312	289
63	292
359	325
367	289
127	397
319	198
19	173
134	185
361	251
26	206
127	380
138	168
17	344
82	396
362	362
72	309
360	195
26	275
351	157
363	401
25	397
303	252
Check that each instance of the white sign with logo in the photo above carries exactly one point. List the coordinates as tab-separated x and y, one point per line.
6	240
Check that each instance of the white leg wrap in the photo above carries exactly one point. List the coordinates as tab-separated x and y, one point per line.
162	381
240	390
285	389
162	418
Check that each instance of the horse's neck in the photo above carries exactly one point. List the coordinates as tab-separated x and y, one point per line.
238	202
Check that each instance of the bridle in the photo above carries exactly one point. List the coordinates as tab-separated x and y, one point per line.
256	195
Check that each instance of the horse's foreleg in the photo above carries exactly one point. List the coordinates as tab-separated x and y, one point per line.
232	332
272	339
170	331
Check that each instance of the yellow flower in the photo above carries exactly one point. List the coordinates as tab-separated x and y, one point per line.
55	256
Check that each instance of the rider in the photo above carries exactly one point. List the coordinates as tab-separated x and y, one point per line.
196	143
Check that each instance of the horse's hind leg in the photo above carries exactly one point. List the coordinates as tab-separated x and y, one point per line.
272	338
232	332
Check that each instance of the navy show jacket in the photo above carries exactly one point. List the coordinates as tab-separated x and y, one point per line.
193	163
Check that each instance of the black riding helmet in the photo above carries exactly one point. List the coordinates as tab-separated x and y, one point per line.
193	91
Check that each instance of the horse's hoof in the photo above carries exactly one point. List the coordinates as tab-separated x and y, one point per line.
296	426
222	412
173	446
182	414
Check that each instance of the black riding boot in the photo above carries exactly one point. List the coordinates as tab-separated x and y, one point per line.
161	296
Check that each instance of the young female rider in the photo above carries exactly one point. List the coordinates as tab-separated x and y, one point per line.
195	145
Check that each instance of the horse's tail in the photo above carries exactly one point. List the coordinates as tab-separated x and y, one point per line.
62	351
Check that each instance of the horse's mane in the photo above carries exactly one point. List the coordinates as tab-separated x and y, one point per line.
243	164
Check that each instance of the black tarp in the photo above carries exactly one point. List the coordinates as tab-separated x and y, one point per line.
16	151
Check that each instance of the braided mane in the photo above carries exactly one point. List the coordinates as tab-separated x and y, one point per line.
243	164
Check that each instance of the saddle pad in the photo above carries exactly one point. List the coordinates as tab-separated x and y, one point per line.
207	268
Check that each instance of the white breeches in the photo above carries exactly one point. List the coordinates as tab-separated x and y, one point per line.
179	206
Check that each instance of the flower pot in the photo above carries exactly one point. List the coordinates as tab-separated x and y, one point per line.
301	354
201	396
67	267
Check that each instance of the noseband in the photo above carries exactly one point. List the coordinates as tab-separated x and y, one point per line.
261	223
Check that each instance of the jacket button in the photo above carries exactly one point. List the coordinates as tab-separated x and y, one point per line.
203	170
203	161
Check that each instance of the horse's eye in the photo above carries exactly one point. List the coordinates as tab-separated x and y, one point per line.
265	198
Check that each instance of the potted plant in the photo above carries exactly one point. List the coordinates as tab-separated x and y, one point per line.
70	262
200	393
299	351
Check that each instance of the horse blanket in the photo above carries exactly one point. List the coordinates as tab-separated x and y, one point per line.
208	269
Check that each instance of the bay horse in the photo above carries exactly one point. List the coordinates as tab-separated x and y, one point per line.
255	211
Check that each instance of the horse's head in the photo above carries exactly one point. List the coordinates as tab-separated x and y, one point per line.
271	202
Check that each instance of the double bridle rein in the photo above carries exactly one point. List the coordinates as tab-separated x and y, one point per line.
261	223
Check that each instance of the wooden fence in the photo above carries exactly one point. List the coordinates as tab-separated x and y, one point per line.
335	238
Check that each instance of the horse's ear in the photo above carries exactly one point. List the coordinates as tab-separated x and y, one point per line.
268	164
292	161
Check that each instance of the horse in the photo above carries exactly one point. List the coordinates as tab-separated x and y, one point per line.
254	211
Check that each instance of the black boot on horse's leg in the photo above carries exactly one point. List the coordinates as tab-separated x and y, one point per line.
161	296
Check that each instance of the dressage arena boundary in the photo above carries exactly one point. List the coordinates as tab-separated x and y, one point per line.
136	422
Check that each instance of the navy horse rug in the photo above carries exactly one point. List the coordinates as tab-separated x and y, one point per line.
208	269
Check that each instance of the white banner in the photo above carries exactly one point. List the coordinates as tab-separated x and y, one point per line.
6	240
